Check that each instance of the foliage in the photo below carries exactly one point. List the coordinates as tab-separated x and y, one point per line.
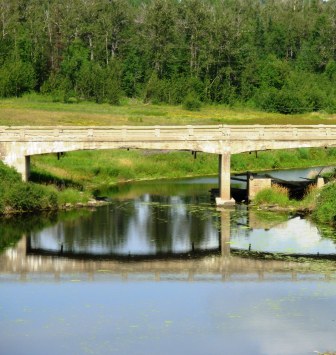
192	103
276	195
29	197
23	197
274	55
325	211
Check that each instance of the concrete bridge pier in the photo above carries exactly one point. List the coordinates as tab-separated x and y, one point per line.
224	165
15	154
25	168
22	166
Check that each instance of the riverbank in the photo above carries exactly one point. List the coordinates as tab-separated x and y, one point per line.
77	178
97	170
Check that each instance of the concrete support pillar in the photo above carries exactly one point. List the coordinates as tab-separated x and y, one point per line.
255	185
27	170
22	166
320	182
225	232
224	164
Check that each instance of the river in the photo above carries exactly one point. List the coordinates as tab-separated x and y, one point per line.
159	271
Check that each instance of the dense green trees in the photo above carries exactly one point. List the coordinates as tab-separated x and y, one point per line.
276	55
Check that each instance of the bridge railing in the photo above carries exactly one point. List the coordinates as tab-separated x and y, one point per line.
166	133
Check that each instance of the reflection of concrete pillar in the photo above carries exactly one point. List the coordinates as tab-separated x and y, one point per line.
224	198
21	248
225	232
190	276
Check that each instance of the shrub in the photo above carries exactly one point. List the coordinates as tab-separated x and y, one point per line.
276	195
23	197
325	211
29	197
282	101
192	103
8	175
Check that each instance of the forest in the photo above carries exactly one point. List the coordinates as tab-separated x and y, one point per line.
274	55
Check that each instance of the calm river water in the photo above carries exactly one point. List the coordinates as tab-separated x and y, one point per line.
157	272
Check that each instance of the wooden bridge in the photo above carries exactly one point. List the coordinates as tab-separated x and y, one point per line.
17	144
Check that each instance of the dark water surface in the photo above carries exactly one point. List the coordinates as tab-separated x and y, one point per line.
156	272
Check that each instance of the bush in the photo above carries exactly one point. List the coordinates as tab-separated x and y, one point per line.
325	211
192	103
8	175
283	101
276	195
29	197
16	77
23	197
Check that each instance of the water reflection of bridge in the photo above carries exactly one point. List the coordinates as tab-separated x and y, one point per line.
17	265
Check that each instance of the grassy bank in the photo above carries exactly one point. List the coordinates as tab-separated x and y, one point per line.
277	198
89	170
34	109
18	197
321	202
325	211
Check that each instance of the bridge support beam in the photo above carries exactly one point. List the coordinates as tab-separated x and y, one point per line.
224	164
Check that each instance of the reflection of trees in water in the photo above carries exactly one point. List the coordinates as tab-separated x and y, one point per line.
158	224
103	228
148	224
327	232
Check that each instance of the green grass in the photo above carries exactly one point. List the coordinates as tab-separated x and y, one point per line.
325	211
72	196
276	195
18	197
88	170
34	109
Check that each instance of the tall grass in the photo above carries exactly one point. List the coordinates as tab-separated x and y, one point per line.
16	196
90	169
276	195
35	109
325	211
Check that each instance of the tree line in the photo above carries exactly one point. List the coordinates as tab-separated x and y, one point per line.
277	55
